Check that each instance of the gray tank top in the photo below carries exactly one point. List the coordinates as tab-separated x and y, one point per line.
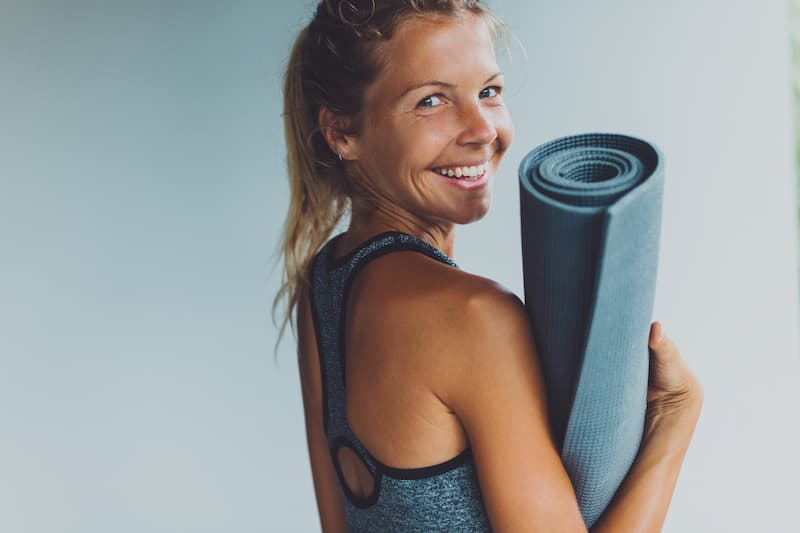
440	497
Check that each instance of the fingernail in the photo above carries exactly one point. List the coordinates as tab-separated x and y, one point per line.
660	332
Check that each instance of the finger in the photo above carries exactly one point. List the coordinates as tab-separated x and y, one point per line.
656	334
664	349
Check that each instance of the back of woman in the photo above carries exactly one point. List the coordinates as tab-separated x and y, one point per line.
423	395
400	453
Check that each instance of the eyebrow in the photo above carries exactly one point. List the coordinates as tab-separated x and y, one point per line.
437	83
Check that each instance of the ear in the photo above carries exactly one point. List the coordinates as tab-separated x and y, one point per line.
336	129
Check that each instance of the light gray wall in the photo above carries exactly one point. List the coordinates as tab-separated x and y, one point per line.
142	189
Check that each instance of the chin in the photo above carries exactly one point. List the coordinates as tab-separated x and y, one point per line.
472	216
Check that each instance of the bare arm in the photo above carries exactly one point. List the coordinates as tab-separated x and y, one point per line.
326	485
675	399
642	500
496	389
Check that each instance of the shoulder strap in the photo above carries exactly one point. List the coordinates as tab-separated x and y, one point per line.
381	244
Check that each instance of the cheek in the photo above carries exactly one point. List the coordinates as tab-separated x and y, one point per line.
504	127
425	140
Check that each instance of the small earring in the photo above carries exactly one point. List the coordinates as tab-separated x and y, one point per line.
340	157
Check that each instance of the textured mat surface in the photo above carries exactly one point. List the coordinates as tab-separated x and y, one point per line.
590	207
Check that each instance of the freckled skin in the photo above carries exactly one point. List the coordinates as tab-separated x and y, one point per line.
405	136
405	311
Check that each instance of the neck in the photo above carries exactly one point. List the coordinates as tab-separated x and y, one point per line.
367	219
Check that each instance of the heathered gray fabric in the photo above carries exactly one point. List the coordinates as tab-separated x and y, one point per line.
443	497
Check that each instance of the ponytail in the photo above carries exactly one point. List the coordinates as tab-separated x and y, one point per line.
316	204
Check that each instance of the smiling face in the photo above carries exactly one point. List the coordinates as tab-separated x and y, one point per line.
434	126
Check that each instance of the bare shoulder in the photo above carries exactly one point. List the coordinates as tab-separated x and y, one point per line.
485	337
435	308
478	347
424	303
468	339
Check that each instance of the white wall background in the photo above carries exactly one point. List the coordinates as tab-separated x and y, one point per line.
142	190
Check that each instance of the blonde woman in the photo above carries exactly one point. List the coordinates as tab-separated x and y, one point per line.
424	399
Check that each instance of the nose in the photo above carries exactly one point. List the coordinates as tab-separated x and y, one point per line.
477	127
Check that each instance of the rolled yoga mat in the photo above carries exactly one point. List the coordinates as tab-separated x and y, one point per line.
590	207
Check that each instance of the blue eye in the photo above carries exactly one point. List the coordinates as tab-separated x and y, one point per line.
490	92
430	101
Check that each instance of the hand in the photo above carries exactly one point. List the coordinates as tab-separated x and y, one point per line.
673	391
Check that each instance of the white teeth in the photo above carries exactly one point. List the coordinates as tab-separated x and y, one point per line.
465	172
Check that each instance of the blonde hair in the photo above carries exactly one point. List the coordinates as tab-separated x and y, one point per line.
333	60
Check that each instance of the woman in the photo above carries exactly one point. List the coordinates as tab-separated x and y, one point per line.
424	399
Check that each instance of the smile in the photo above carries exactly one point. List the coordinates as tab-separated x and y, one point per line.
466	171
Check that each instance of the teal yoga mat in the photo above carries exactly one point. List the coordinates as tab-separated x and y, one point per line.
590	207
